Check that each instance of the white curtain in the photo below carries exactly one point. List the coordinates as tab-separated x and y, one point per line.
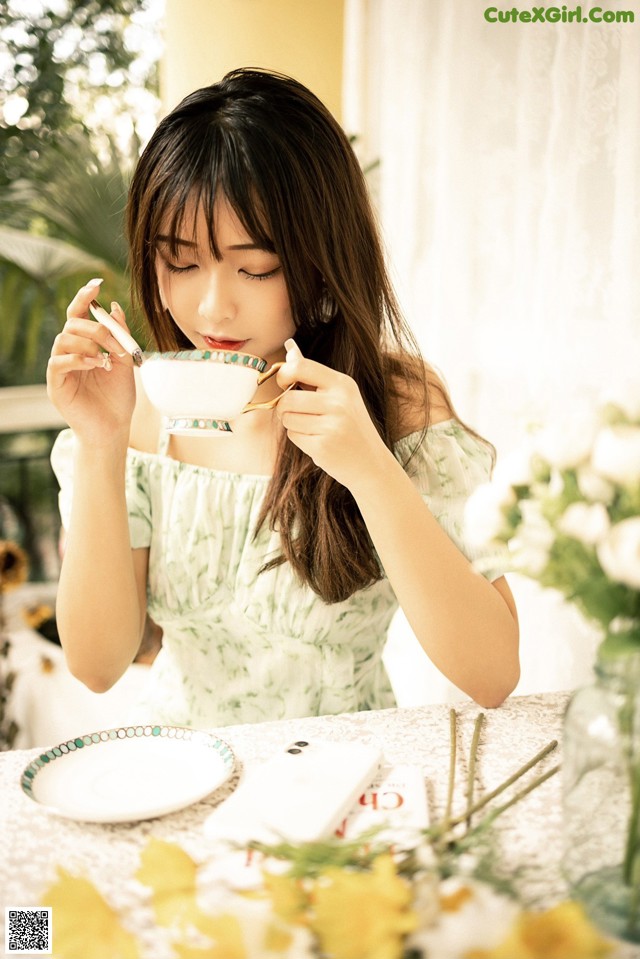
509	195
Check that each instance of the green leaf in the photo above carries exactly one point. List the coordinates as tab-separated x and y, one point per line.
574	570
11	281
74	230
619	644
44	258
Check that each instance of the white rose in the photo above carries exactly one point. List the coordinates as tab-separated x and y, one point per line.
593	486
566	445
515	469
532	544
485	513
626	396
619	553
616	453
587	522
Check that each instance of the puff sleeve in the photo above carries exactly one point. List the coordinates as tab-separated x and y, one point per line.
136	488
447	465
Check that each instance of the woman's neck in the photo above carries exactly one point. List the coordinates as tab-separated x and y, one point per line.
251	447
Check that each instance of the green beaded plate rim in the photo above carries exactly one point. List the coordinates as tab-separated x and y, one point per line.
183	733
214	356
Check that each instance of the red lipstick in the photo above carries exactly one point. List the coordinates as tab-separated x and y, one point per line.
213	344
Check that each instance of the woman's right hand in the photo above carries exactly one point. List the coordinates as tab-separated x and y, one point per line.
97	402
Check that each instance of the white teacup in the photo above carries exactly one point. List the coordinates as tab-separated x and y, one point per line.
201	391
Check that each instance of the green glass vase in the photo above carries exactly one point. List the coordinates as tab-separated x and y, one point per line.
601	795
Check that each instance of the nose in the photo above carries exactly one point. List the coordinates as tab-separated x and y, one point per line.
216	298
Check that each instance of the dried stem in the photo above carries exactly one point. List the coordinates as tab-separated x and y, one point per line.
505	785
491	816
472	765
452	768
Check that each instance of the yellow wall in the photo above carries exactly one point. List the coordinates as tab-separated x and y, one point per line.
206	38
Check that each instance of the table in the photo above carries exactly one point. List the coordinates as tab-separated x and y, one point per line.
530	835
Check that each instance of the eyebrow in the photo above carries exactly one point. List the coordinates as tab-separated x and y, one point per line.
168	240
192	244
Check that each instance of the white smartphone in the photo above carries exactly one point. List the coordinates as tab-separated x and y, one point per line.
299	795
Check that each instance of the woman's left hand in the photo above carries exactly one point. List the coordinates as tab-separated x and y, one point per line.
327	419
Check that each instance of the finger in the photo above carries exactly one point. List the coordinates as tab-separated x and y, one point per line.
79	336
119	315
301	401
307	424
59	367
303	441
116	322
79	305
298	369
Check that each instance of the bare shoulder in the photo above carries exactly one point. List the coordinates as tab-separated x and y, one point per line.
413	410
145	423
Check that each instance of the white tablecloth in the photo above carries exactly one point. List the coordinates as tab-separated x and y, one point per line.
530	834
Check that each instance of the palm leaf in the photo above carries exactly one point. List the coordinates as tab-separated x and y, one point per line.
45	259
35	275
83	199
75	217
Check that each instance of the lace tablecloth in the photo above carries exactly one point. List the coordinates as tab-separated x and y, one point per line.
33	842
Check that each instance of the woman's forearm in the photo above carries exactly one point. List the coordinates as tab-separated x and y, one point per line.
99	612
463	623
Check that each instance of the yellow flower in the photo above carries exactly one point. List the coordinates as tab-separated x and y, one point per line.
13	565
171	875
363	915
277	939
563	932
84	924
288	897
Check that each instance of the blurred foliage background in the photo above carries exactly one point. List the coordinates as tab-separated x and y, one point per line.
78	97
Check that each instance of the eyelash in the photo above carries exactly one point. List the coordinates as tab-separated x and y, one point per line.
177	269
260	276
250	276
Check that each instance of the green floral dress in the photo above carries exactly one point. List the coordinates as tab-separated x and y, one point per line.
239	646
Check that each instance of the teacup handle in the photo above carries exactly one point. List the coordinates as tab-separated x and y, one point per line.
262	378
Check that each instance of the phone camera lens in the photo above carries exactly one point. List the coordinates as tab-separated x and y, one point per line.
301	744
294	751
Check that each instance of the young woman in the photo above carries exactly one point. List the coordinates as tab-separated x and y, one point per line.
273	557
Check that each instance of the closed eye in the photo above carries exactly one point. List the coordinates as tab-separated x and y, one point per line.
172	268
260	276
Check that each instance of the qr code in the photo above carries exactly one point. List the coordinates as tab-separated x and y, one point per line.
27	931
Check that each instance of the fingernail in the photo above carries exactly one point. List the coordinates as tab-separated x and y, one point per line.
293	350
95	282
115	306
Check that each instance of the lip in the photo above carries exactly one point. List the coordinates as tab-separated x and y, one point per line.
213	343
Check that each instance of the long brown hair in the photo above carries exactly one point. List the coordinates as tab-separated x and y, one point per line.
287	169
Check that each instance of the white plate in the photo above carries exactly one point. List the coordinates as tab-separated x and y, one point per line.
128	773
